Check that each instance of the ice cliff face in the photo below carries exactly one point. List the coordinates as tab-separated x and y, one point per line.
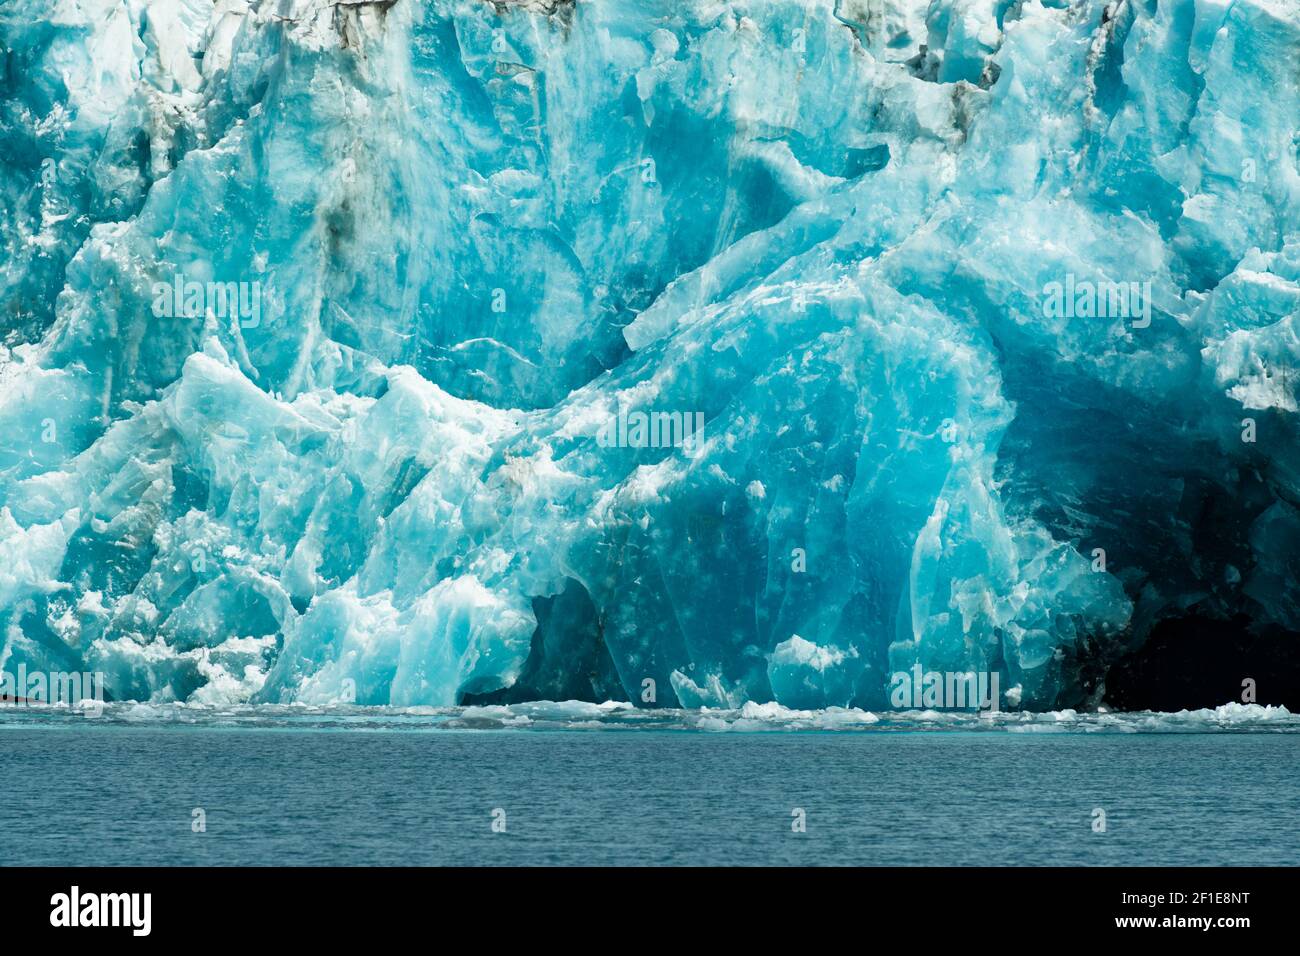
987	309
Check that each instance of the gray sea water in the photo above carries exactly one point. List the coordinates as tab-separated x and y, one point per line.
580	784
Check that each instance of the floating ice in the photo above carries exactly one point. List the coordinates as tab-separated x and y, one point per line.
614	716
832	231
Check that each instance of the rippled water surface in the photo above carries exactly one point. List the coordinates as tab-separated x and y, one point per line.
587	784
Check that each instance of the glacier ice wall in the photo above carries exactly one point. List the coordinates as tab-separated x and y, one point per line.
481	232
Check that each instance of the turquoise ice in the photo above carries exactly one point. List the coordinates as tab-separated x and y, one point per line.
838	232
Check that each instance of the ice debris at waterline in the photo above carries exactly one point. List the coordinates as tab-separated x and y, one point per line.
622	715
693	354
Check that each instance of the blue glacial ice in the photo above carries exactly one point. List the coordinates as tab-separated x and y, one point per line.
989	309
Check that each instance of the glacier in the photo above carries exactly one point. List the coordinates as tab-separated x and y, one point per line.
471	234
